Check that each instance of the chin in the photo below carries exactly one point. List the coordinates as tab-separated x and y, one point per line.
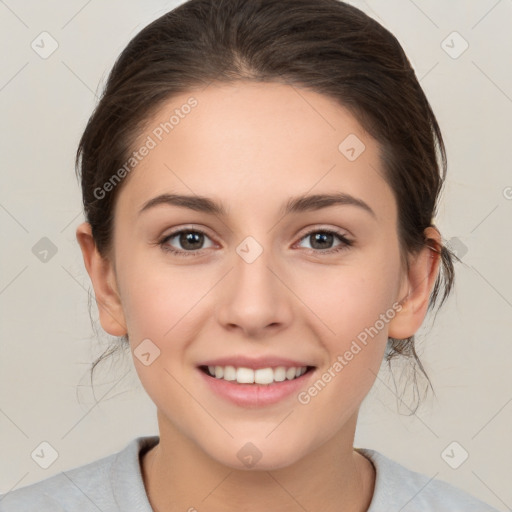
257	455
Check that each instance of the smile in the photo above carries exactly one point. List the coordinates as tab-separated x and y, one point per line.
243	375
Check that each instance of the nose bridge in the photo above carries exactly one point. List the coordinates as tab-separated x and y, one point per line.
255	297
254	279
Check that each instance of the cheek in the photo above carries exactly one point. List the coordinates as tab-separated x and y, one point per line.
161	304
357	306
351	297
158	299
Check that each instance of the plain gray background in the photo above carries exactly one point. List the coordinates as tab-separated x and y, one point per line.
47	341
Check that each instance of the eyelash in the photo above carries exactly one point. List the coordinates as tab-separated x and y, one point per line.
346	243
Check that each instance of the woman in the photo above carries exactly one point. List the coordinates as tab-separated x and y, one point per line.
259	181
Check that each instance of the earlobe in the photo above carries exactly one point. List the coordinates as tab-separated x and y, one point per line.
420	280
101	272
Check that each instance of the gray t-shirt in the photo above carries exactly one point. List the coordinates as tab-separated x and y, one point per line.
114	484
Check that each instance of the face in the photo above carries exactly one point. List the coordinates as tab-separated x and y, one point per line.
302	287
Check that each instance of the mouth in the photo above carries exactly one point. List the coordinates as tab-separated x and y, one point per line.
256	376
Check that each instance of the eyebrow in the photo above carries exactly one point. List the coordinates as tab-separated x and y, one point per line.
293	205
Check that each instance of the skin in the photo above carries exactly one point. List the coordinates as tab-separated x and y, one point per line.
252	146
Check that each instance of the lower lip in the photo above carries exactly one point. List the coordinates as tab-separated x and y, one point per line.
256	395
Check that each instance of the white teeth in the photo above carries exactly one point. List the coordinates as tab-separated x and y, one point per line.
244	375
264	376
290	373
280	374
229	373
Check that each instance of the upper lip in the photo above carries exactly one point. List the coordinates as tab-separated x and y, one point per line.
254	362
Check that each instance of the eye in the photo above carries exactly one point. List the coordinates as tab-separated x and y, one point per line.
321	239
191	241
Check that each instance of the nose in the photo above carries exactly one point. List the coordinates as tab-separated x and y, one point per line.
255	297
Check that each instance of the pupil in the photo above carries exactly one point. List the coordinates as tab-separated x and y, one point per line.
322	237
187	240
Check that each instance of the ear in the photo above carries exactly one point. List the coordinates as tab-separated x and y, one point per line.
416	287
103	279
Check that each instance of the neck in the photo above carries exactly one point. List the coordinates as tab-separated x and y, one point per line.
179	476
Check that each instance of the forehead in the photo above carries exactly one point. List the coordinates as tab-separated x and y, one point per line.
247	142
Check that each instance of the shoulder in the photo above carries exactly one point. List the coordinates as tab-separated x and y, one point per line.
74	489
399	488
91	487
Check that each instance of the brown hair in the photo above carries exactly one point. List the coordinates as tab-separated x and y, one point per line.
327	46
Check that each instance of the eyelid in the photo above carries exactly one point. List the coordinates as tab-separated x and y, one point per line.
322	227
188	227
